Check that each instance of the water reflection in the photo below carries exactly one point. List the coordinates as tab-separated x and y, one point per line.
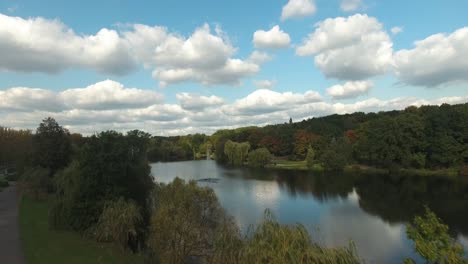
370	210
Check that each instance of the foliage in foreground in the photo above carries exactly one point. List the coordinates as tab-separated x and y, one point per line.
42	245
189	224
119	222
110	166
184	222
432	240
271	242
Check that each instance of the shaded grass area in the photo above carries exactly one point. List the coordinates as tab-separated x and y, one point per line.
288	165
3	183
42	245
357	168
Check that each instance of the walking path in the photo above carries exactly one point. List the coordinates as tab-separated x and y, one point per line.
10	244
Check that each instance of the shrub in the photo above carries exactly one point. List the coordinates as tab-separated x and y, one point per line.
118	223
185	222
36	182
259	157
272	242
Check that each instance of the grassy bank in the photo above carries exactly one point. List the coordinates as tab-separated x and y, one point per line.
42	245
302	165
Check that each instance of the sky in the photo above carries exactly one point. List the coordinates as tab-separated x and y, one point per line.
181	67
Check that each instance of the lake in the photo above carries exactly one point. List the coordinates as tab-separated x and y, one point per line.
370	210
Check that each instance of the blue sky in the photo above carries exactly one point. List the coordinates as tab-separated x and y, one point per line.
351	61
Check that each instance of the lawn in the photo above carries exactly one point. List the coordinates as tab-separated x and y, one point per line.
3	183
42	245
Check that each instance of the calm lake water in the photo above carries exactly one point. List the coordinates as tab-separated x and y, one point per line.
370	210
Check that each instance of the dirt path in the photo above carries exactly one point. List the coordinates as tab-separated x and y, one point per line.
10	245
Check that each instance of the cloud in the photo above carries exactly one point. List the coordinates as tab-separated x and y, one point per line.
298	9
105	95
203	57
258	57
49	46
29	99
275	38
436	60
349	48
197	102
265	84
109	95
396	30
349	89
351	5
267	101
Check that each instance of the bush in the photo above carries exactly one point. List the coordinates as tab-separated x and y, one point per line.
119	223
185	222
36	182
272	242
259	157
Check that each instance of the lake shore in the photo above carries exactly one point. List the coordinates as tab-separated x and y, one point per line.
302	165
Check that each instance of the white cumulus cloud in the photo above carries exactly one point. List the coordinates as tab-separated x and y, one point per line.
42	45
275	38
267	101
396	30
349	89
298	9
204	57
265	84
109	95
49	46
351	5
197	102
349	48
436	60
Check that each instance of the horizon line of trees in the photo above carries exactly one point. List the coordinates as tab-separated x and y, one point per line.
426	137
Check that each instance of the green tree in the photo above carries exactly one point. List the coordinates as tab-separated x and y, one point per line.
310	158
432	240
235	152
259	157
51	145
337	155
110	166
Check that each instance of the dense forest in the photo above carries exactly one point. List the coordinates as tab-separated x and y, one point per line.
426	137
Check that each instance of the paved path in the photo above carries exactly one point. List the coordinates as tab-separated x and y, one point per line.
10	246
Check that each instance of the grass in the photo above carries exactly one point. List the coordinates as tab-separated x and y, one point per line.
42	245
288	165
3	183
357	168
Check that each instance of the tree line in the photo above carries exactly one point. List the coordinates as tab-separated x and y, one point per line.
426	137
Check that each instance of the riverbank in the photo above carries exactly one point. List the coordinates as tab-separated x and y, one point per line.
43	245
302	165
